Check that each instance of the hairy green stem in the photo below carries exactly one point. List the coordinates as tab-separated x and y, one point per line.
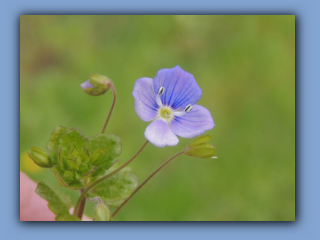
92	185
144	182
111	109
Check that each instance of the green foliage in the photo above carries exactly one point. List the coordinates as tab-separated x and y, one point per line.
59	204
73	139
73	156
115	189
97	157
200	148
69	151
53	145
100	144
108	143
199	140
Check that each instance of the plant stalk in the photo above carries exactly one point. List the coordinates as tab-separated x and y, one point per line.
82	205
144	182
92	185
111	109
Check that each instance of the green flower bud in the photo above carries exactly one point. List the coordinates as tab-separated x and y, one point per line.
96	85
200	140
200	148
40	157
101	213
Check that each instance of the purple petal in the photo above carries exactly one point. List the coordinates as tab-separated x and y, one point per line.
86	85
181	88
160	134
145	99
193	123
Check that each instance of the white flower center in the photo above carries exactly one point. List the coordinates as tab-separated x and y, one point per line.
167	113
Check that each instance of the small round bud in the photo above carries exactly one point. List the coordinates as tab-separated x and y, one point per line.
101	213
40	157
96	85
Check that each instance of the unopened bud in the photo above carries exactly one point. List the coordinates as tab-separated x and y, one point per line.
200	148
101	213
40	157
200	140
96	85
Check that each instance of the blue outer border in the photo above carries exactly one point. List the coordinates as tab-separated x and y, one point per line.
307	131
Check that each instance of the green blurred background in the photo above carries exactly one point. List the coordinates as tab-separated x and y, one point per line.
245	66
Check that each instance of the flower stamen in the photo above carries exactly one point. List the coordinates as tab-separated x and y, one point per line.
188	108
180	112
161	91
158	99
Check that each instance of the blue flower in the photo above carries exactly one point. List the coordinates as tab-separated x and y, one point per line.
169	102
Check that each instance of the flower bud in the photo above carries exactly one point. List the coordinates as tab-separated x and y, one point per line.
40	157
101	213
200	148
96	85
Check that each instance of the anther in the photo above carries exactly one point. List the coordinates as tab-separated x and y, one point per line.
188	108
161	91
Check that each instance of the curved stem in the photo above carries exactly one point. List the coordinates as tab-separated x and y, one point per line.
82	205
105	177
111	109
144	182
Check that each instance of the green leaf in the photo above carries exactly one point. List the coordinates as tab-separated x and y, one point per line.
57	203
53	145
97	157
84	169
102	169
64	178
73	138
67	217
116	188
71	165
202	151
74	156
200	148
104	149
54	141
70	178
110	143
75	184
200	140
